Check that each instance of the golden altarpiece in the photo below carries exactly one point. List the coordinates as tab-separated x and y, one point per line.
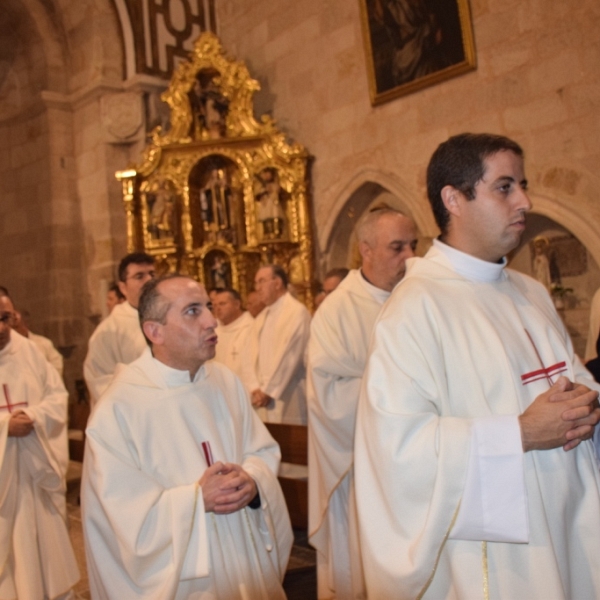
220	193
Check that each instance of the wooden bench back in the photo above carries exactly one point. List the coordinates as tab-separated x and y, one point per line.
293	441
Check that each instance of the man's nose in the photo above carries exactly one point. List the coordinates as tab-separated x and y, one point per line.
524	201
210	320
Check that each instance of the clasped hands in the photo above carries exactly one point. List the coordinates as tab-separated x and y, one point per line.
564	416
226	488
19	425
260	399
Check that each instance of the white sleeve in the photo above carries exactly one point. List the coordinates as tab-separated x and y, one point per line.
494	501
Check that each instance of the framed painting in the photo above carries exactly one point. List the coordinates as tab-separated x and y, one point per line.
412	44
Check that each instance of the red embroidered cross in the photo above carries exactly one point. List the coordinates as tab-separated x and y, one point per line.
9	405
545	372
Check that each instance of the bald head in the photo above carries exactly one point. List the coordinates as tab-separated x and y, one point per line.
386	239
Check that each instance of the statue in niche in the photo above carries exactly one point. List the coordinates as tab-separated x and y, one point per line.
209	107
270	204
215	201
161	213
544	264
218	265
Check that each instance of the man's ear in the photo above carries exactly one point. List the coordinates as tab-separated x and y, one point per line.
122	288
364	249
154	332
451	198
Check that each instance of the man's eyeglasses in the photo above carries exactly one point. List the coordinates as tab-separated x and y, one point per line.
262	280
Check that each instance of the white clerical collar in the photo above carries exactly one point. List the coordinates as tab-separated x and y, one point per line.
471	267
378	294
172	377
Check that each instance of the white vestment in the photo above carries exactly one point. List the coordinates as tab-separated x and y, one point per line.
52	355
450	354
337	355
147	533
594	328
118	339
36	558
275	360
233	342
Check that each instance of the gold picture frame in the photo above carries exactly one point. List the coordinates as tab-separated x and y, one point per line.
412	44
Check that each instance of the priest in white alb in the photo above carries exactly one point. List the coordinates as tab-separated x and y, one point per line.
337	355
180	497
44	344
233	330
475	473
36	557
118	339
274	369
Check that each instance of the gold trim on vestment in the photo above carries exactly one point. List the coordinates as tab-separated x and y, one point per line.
437	560
486	576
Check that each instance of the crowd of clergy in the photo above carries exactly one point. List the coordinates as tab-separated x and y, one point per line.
450	422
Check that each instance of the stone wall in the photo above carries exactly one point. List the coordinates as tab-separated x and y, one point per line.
537	80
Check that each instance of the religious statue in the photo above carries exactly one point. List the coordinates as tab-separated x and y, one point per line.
209	107
541	263
215	201
161	206
220	272
270	198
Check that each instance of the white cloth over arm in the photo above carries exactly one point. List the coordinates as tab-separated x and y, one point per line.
150	538
36	557
52	355
117	340
337	355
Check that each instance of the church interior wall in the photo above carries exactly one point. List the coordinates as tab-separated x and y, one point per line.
536	80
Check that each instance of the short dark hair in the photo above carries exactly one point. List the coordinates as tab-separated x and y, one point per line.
115	288
152	305
340	272
233	293
279	271
459	162
135	258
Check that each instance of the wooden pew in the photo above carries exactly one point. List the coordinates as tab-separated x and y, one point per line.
293	441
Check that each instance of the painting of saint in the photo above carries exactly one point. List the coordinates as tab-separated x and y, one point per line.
414	43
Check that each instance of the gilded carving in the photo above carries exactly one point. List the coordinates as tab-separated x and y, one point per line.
219	192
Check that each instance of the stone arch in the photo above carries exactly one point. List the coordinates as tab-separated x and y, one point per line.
353	197
570	215
127	35
49	34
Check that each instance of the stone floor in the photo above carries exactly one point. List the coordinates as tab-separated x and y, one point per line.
300	581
